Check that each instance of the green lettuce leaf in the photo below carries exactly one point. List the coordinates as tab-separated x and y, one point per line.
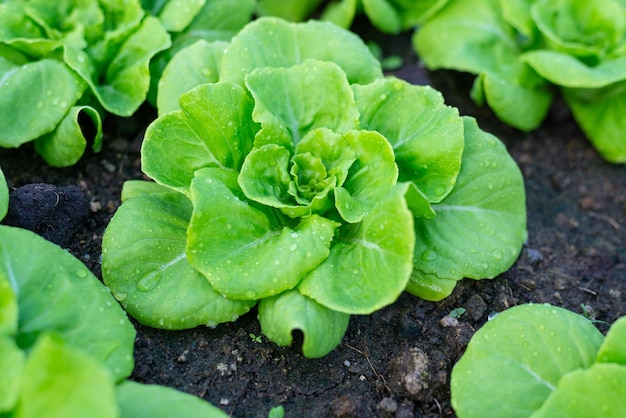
323	328
369	263
293	101
67	143
426	135
246	251
197	64
213	128
599	113
64	297
612	348
160	288
272	42
53	89
136	400
64	382
479	228
12	360
516	361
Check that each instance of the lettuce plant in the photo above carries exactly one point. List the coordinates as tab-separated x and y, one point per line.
542	361
66	346
294	175
389	16
62	62
522	49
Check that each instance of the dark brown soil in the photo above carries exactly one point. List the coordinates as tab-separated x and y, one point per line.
396	362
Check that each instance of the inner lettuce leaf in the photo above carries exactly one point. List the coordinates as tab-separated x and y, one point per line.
293	101
47	301
479	228
249	251
426	135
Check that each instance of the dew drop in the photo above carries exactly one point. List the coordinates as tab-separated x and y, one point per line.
39	104
428	255
439	190
229	226
251	294
149	282
497	254
293	247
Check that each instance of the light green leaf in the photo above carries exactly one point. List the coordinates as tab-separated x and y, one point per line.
596	392
145	265
370	178
127	79
12	361
296	100
568	71
583	28
515	104
323	328
383	16
341	12
197	64
426	135
516	360
612	348
369	263
479	228
245	250
57	293
214	128
176	15
138	400
600	115
134	188
63	382
4	195
517	13
272	42
52	89
66	144
8	307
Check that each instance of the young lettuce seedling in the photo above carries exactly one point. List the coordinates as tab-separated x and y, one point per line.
542	361
294	175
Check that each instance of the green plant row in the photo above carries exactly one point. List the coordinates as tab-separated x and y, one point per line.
541	361
66	346
523	51
293	175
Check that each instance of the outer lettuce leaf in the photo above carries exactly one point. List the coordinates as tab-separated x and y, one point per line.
64	382
323	328
136	400
516	361
293	11
66	298
475	37
370	263
160	288
568	71
192	66
213	128
175	15
426	135
271	42
596	392
53	89
341	12
245	250
600	115
293	101
66	144
12	360
479	228
8	307
4	195
612	348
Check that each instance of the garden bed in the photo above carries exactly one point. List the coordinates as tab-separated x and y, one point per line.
395	362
